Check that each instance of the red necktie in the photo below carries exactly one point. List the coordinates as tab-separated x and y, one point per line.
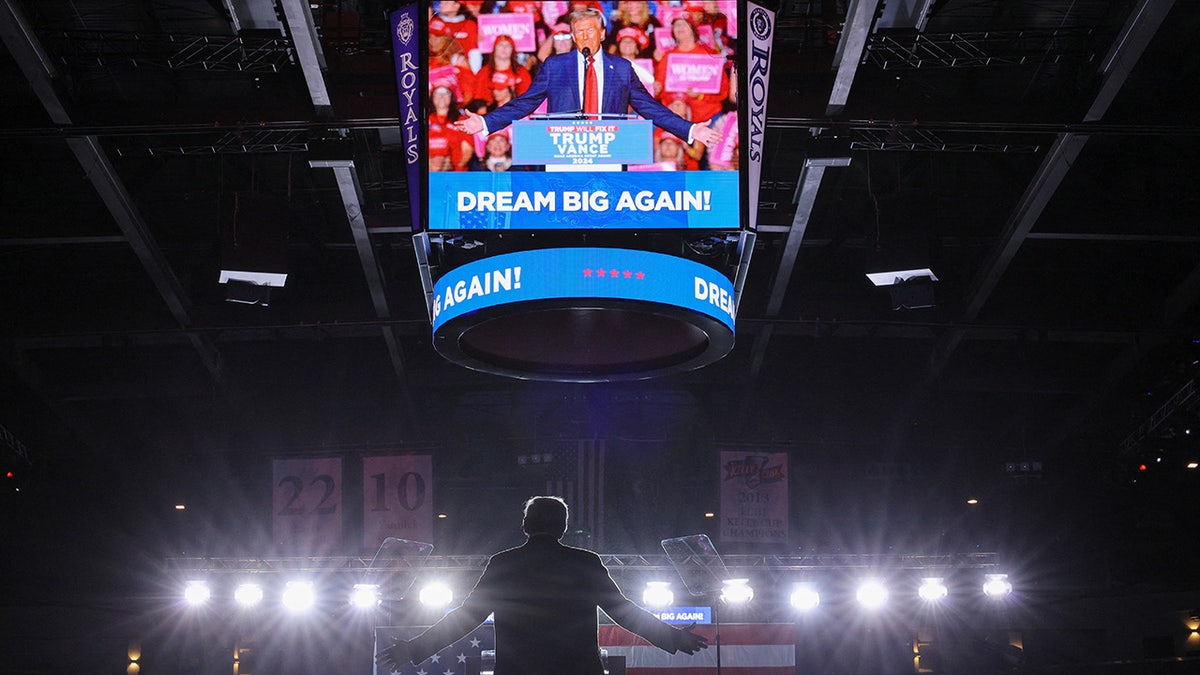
590	102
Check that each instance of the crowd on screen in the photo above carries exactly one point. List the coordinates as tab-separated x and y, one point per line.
479	73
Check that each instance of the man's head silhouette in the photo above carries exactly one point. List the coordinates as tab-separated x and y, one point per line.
545	515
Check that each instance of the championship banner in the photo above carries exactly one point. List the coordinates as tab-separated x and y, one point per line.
516	25
701	72
754	497
397	498
405	52
582	142
306	504
746	649
758	73
626	200
559	273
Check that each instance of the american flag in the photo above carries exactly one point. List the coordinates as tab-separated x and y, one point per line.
746	649
577	475
450	661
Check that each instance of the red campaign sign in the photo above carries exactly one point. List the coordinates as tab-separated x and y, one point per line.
518	26
445	76
306	504
701	72
397	499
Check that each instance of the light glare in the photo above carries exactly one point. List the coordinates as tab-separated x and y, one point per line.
996	585
436	594
872	594
658	594
805	597
248	595
299	596
365	596
196	593
932	589
737	591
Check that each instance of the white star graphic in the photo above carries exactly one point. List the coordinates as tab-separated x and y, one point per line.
422	672
435	658
475	643
448	672
462	658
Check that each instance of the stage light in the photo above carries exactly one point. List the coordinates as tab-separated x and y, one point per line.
737	591
805	597
972	501
248	595
872	594
299	596
932	589
196	593
1193	465
365	596
436	594
658	594
996	585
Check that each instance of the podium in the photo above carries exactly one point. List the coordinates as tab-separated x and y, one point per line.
558	141
478	665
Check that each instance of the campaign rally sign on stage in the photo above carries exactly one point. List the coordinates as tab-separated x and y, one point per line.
582	142
516	25
701	72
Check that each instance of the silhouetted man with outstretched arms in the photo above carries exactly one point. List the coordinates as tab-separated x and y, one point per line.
544	597
562	83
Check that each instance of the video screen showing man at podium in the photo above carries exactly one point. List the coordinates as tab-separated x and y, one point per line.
603	137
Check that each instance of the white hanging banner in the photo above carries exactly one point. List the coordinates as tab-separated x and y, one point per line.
754	497
397	498
306	505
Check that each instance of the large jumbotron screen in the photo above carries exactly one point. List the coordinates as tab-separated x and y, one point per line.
541	162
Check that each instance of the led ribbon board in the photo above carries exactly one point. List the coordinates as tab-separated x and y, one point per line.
583	273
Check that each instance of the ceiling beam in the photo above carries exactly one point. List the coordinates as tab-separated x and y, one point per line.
300	26
860	17
1143	22
25	48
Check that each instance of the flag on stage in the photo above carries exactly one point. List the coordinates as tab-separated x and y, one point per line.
746	649
578	477
450	661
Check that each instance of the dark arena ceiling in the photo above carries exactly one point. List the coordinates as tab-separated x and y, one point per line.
1040	156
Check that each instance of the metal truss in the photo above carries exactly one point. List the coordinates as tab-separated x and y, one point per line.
1177	402
896	51
239	142
910	139
212	53
616	563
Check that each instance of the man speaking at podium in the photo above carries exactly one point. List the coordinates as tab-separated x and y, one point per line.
588	82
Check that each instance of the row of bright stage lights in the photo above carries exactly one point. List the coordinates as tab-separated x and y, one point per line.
872	593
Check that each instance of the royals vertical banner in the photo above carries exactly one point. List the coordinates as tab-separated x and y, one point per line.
306	504
754	497
758	77
397	499
405	51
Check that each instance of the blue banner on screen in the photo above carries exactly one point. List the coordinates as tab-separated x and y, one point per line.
616	200
558	273
685	615
582	142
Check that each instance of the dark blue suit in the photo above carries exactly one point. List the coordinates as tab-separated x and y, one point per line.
558	82
544	596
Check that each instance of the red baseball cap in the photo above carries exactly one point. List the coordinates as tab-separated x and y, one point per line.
636	34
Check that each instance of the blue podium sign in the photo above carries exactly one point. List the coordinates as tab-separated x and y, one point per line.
582	142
